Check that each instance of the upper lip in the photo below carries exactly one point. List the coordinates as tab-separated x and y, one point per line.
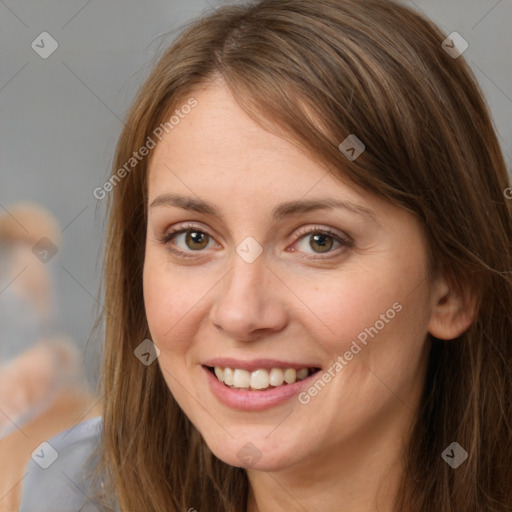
256	364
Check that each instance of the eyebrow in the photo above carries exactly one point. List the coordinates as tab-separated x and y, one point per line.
278	213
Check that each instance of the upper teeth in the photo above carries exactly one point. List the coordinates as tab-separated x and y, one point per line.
259	379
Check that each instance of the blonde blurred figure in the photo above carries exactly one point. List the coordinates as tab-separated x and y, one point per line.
43	387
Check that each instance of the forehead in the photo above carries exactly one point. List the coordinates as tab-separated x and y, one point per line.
218	156
218	135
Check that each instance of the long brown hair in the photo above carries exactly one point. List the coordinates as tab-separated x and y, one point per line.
317	71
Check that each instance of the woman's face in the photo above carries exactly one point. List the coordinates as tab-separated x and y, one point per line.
259	287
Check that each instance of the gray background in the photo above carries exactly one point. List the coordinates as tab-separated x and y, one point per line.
61	116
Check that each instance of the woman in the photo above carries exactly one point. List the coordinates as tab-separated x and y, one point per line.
307	273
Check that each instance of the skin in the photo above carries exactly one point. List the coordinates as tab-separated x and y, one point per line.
342	450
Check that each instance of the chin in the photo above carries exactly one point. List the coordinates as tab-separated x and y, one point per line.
253	455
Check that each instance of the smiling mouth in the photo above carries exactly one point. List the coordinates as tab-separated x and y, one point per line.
261	379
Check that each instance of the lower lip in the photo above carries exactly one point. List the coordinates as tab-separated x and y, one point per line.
246	400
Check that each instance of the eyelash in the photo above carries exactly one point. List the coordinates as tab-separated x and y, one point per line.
167	237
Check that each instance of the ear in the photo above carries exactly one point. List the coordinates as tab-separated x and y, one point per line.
453	310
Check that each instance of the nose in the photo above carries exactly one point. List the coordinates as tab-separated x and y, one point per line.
249	304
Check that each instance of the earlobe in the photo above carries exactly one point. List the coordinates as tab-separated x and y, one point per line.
452	311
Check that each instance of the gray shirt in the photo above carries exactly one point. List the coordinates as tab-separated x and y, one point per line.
58	472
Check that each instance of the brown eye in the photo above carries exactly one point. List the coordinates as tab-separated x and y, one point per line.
185	240
319	240
322	241
196	240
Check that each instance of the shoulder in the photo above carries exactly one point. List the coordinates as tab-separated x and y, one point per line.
57	476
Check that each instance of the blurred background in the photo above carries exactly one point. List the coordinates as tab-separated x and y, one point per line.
68	73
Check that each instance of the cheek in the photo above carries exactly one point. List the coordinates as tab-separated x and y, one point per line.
375	317
172	300
339	306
